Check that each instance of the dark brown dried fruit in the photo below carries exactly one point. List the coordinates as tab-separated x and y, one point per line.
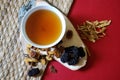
69	34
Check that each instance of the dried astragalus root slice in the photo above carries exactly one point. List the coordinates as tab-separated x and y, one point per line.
43	61
28	45
49	57
93	30
51	52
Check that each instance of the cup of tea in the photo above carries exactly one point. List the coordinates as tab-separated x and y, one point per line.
43	26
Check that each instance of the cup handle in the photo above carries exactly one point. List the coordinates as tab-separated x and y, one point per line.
41	3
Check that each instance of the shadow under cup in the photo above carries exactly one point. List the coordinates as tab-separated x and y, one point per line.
43	26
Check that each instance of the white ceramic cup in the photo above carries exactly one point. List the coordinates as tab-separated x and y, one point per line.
43	7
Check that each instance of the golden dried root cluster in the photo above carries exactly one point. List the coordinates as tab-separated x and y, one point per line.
94	30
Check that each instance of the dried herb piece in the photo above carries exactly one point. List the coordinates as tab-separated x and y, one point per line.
30	60
52	69
28	45
57	54
59	51
49	57
51	52
43	61
34	54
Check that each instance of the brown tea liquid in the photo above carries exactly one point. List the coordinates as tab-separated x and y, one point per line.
43	27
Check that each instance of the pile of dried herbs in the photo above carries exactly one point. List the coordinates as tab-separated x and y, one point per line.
94	30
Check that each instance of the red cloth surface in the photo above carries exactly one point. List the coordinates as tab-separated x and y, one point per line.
104	62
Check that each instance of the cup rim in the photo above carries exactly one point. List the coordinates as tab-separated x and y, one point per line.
31	11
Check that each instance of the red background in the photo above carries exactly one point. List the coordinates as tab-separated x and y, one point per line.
104	62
